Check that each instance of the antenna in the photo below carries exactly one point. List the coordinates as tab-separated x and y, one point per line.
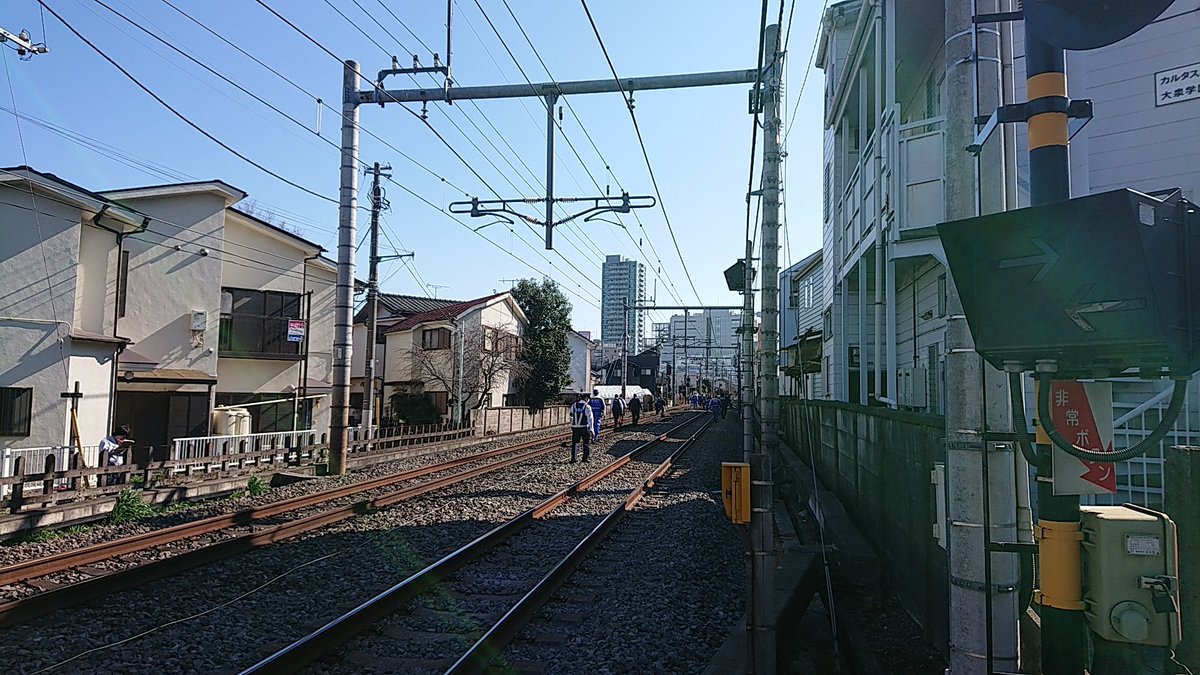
435	288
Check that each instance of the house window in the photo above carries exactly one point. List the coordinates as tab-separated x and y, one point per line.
491	339
941	291
254	324
440	400
646	371
16	408
122	283
794	293
435	338
827	323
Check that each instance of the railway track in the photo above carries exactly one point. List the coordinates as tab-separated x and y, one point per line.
40	586
500	579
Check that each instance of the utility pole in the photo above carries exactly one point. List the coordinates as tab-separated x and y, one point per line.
368	406
762	530
1058	527
980	468
343	336
352	98
624	342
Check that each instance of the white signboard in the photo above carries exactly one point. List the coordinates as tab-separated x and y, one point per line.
1177	84
1082	414
295	331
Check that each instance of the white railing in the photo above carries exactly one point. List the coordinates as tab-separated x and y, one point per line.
216	446
35	461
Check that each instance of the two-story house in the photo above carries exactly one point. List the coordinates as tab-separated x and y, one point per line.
212	307
470	347
63	269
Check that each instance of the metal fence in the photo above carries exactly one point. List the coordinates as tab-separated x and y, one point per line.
216	446
878	463
35	460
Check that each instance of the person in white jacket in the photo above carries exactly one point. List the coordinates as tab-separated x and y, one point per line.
581	426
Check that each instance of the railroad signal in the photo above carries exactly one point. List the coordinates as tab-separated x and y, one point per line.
1099	284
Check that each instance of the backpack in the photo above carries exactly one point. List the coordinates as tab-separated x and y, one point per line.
618	406
579	414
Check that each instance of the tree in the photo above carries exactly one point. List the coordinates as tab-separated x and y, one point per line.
488	355
547	351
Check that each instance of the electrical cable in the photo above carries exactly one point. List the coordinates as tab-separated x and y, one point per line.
1016	397
668	282
62	353
490	241
641	142
179	114
1165	424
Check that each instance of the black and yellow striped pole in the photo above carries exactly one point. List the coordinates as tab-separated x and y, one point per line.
1058	533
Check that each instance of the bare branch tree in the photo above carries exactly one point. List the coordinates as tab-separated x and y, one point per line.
488	356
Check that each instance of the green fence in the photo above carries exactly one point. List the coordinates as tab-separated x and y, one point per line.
879	463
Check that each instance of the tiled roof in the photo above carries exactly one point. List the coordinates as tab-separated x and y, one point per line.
441	313
393	306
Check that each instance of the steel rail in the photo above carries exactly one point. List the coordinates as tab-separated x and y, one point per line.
60	562
313	646
24	609
493	643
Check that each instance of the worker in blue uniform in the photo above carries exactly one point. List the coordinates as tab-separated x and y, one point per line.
714	405
597	405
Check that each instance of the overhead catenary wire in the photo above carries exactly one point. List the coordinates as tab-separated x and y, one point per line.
436	133
668	282
641	142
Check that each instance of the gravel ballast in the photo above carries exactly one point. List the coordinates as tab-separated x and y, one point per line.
228	615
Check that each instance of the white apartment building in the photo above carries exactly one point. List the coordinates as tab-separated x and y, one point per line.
885	186
801	305
701	345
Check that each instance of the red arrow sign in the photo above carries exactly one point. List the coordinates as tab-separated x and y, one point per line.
1073	417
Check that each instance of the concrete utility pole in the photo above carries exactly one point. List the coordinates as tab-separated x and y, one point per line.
983	627
352	98
746	356
624	342
762	515
1182	495
368	406
343	336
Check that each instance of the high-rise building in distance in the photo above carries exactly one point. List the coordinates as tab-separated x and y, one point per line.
623	283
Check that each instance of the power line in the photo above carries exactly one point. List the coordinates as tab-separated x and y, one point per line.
642	143
179	114
668	282
427	124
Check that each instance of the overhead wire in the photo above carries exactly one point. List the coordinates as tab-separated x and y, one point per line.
62	350
645	155
436	133
184	118
668	283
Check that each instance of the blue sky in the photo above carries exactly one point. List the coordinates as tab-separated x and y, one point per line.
698	140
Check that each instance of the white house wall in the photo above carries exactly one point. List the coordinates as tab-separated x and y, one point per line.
92	366
94	295
30	353
165	285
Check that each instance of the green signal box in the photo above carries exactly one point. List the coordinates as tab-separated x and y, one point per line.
1099	284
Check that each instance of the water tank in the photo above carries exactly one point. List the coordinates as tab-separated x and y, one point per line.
231	422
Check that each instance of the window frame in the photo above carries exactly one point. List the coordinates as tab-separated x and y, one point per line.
440	338
272	344
12	400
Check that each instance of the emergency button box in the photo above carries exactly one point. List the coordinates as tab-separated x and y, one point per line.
735	491
1130	575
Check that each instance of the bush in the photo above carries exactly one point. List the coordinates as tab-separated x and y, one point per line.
412	409
256	486
129	507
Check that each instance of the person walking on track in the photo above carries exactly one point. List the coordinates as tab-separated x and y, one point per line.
618	411
714	404
581	426
635	408
659	405
597	405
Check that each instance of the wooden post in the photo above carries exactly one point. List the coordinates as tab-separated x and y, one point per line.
17	500
48	482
